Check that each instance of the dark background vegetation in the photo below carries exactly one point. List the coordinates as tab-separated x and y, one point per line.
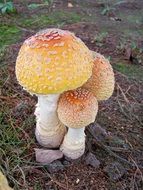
113	28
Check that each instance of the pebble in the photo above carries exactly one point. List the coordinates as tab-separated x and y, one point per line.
55	166
47	156
115	171
98	132
91	160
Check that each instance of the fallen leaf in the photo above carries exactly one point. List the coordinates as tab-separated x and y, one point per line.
47	156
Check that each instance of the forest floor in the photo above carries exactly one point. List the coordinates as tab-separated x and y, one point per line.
112	28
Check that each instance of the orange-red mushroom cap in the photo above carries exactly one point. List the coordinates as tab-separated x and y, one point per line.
102	81
53	61
77	108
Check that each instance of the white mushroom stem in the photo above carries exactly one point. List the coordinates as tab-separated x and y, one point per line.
49	130
73	145
76	135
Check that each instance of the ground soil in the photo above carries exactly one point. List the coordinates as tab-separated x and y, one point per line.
112	32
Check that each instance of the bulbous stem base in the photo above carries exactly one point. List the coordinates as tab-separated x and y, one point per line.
73	145
50	139
49	130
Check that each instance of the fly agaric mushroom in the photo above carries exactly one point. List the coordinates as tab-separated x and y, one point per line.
76	109
102	81
49	63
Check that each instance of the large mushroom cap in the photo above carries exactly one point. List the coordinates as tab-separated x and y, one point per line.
77	108
102	81
53	61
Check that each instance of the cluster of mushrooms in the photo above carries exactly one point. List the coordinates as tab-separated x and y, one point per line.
68	80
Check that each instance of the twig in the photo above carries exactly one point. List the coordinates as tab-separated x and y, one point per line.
66	181
124	113
7	98
125	98
138	169
132	115
56	182
25	29
48	175
119	73
117	149
107	149
128	89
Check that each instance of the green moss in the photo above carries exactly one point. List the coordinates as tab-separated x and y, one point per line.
132	17
8	34
132	71
55	18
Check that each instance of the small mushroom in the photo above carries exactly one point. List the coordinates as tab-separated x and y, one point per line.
49	63
76	109
102	81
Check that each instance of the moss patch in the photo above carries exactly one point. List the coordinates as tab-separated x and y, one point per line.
132	71
8	35
55	18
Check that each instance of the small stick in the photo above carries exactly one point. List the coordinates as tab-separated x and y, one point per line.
125	98
107	149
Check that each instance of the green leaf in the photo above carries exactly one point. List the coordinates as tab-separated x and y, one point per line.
33	6
48	1
104	11
10	7
1	5
3	10
120	2
7	7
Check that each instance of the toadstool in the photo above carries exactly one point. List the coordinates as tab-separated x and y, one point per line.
76	109
102	81
49	63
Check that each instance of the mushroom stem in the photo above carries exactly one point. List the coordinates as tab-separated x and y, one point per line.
76	135
76	110
49	130
73	145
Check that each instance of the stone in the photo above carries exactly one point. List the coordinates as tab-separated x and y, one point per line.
91	160
47	156
115	171
66	163
98	132
55	166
